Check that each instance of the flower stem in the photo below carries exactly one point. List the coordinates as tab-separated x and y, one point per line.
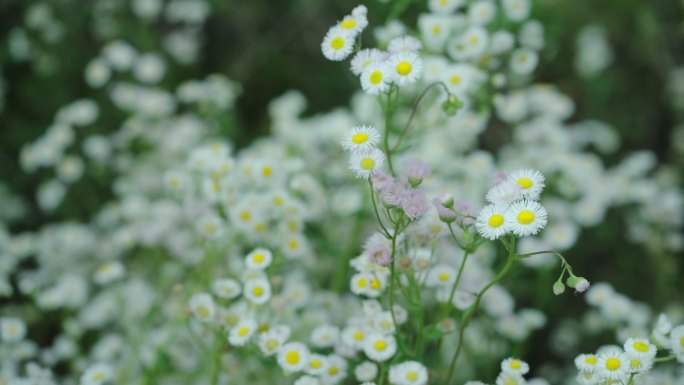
471	312
413	113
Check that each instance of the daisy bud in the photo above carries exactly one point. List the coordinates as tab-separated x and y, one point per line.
558	288
580	284
416	170
452	105
444	205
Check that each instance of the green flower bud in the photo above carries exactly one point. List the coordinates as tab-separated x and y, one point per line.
558	288
452	105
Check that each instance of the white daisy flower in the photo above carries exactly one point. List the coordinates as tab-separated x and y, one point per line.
259	259
293	357
504	193
588	378
257	291
241	333
363	164
476	40
531	183
586	362
515	366
379	347
337	370
354	24
383	322
677	342
404	43
360	139
406	67
613	365
366	371
226	288
517	10
202	306
640	348
523	61
525	218
408	373
325	336
12	329
97	374
444	6
376	78
271	340
317	365
481	12
337	44
491	222
509	378
435	30
441	275
365	58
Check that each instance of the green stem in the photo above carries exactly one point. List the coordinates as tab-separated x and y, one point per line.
217	360
375	209
388	125
413	113
458	280
471	312
564	263
664	359
392	277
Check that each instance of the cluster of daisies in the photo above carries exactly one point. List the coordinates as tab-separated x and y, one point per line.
513	206
614	365
377	70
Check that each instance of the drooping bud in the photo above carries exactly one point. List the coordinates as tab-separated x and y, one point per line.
452	105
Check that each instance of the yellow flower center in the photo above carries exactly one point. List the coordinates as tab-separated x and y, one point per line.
361	137
526	217
436	30
681	341
443	276
412	376
640	347
613	364
337	43
292	357
243	331
591	360
510	381
358	336
525	183
515	364
278	201
404	68
474	39
245	215
496	220
260	227
375	283
380	345
375	77
349	24
258	258
455	79
635	363
258	291
367	163
293	245
99	376
315	364
333	370
362	282
203	311
271	344
267	171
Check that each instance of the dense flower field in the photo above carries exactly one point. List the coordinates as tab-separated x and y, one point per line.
442	226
